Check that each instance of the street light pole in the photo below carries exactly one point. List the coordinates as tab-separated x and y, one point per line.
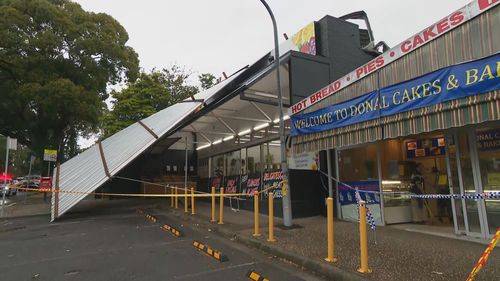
287	205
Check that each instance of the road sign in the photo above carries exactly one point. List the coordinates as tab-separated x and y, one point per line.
50	155
12	143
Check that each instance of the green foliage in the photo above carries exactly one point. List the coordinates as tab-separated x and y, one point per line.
56	61
207	80
150	93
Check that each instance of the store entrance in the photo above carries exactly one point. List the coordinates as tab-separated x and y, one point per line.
416	165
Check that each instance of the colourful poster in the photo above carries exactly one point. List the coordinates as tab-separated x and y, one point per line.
305	39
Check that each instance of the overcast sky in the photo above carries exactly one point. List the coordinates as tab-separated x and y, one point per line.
225	35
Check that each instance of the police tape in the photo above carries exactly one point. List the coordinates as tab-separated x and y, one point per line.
161	195
484	257
484	195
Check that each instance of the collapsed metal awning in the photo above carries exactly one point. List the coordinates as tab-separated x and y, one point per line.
92	168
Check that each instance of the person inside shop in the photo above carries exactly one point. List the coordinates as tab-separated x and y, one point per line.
417	183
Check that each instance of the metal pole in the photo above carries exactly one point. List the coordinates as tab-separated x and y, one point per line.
186	165
6	170
329	167
29	179
287	204
256	214
48	175
271	217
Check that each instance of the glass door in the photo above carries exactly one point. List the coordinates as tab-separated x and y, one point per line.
487	151
461	172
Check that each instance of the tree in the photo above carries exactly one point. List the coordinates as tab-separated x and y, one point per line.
150	93
207	80
56	61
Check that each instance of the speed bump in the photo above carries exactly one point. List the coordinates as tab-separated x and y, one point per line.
252	275
209	251
151	218
172	230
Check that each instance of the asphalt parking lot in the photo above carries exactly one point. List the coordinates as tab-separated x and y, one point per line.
123	245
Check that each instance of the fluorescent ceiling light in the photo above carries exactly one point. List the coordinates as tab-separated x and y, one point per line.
245	132
261	126
228	138
203	146
390	182
275	144
217	141
277	120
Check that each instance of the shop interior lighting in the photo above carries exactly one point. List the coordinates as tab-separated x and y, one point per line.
217	142
390	182
228	138
203	146
245	132
277	120
261	126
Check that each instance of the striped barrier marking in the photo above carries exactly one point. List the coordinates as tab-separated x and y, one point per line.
252	275
209	251
172	230
151	218
482	261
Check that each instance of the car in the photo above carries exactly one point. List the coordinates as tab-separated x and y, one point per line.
8	188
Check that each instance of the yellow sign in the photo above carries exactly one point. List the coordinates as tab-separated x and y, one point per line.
49	155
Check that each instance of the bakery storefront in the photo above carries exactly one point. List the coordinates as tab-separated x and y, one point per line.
416	120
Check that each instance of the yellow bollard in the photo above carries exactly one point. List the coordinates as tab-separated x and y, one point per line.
329	218
221	210
171	197
363	238
271	217
213	204
176	198
186	204
256	214
193	211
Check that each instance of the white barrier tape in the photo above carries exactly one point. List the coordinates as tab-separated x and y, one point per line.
484	195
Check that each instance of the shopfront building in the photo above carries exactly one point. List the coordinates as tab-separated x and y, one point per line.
423	118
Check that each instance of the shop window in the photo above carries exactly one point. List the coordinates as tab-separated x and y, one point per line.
415	165
488	148
203	168
243	161
233	162
358	168
272	154
253	160
218	166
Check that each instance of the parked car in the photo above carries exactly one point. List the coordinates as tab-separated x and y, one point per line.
8	188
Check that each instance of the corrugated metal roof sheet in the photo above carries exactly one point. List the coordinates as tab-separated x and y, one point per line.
85	172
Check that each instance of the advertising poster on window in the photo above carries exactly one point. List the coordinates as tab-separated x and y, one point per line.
231	184
347	199
250	183
272	178
215	182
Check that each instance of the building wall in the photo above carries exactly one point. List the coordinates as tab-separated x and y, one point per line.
472	40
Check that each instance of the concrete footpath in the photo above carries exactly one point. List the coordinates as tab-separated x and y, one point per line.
395	255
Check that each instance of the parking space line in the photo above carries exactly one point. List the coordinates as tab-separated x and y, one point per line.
186	276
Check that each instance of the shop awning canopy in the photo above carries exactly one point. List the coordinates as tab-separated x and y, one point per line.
90	169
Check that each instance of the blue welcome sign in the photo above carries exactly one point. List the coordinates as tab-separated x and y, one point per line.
440	86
